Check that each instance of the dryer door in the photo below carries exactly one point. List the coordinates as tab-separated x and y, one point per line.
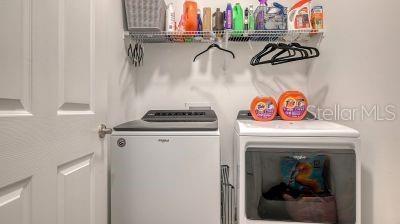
301	183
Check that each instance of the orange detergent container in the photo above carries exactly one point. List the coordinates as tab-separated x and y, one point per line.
263	108
292	106
190	15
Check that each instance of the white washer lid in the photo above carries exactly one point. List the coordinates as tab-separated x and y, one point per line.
305	128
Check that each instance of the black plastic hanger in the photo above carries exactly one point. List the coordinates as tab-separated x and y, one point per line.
270	47
212	46
284	49
314	53
288	48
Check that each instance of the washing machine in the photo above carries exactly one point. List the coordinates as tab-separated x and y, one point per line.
296	172
165	169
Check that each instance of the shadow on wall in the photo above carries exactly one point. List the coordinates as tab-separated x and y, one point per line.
169	78
173	63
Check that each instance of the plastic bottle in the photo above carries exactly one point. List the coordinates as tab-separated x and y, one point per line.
260	15
199	22
317	17
207	19
170	23
238	17
299	16
246	19
190	15
218	20
228	17
181	26
251	18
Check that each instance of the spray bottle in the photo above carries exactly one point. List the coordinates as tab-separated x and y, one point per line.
260	15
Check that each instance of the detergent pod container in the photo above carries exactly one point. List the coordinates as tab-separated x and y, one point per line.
263	108
292	106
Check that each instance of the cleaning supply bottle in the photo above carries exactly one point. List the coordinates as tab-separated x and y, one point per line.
228	17
207	19
170	23
238	17
190	15
317	17
181	25
218	20
251	18
199	22
246	19
299	16
260	15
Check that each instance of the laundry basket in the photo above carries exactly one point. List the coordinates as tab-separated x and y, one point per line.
145	15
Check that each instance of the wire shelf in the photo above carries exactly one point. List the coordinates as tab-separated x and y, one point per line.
226	36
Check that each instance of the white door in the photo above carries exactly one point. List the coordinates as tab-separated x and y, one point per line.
53	165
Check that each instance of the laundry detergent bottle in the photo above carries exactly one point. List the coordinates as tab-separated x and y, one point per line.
260	15
190	15
238	23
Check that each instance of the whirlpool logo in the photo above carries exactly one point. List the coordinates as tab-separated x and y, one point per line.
163	140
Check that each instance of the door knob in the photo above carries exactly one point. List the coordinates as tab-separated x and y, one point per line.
103	131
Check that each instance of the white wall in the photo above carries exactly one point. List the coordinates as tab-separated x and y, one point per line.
169	79
360	66
349	72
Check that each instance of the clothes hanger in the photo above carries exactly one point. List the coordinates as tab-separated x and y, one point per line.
287	48
284	49
213	45
297	46
290	51
311	49
270	47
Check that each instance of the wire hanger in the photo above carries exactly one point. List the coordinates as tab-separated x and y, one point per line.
214	45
